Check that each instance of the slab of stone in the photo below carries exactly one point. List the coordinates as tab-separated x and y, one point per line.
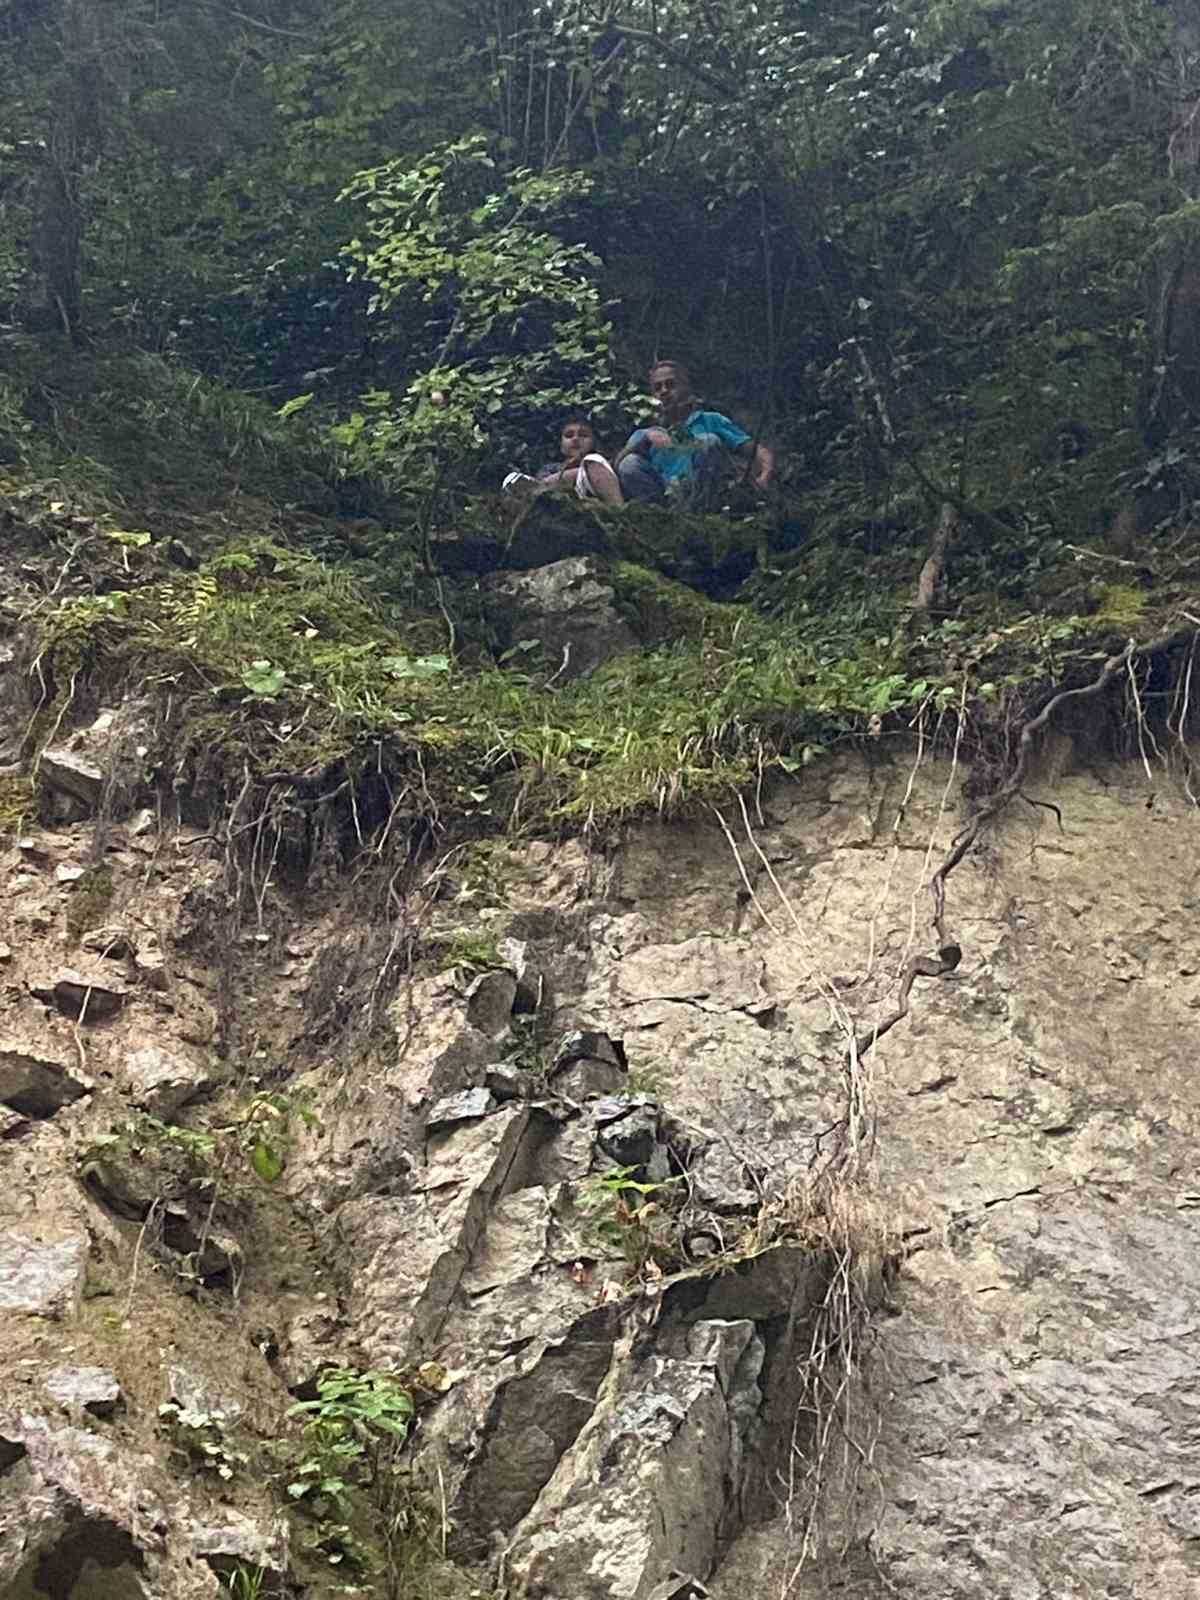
507	1082
468	1106
42	1277
36	1084
73	773
161	1081
490	999
83	996
229	1539
90	1389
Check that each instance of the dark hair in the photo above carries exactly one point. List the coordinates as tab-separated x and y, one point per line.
669	361
576	416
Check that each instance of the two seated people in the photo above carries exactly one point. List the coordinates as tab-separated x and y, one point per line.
683	461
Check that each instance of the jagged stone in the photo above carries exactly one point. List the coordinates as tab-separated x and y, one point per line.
490	998
115	944
73	773
310	1344
719	1183
630	1140
161	1081
530	983
406	1255
679	1587
569	607
467	1106
150	961
42	1277
89	997
588	1065
35	1084
665	1455
507	1082
90	1389
82	1509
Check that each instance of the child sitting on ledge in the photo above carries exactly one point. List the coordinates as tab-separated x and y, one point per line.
582	469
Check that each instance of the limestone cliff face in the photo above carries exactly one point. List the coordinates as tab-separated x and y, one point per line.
1020	1408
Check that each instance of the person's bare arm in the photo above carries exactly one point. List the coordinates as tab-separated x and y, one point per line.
762	459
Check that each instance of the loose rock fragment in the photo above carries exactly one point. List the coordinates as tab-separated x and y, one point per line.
82	996
72	773
468	1106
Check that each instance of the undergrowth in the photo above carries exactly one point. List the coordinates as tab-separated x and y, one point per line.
320	658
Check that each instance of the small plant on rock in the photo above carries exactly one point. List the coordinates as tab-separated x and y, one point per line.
472	951
201	1438
633	1219
352	1436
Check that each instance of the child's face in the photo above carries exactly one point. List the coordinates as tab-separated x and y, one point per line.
577	441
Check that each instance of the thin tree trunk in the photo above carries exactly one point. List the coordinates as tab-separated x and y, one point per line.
1173	398
72	145
935	561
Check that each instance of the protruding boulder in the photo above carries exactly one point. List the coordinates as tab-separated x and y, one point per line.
665	1455
627	1129
161	1081
490	999
587	1065
84	996
569	607
73	773
468	1106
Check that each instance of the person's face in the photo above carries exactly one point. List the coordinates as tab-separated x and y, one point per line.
672	391
577	441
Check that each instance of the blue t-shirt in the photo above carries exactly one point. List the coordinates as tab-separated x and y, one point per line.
677	461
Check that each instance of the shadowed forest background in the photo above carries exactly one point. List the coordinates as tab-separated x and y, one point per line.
356	260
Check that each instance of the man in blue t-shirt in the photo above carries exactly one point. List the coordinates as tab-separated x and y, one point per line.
685	458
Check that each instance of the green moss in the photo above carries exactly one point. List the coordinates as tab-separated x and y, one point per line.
16	804
1121	604
659	609
90	900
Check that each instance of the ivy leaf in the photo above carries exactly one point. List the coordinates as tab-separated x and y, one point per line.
260	677
267	1163
415	666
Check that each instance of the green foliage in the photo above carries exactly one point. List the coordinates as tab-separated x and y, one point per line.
474	950
350	1445
514	325
632	1219
256	1140
245	1582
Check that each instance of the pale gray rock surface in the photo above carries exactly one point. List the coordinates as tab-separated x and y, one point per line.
569	607
42	1276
